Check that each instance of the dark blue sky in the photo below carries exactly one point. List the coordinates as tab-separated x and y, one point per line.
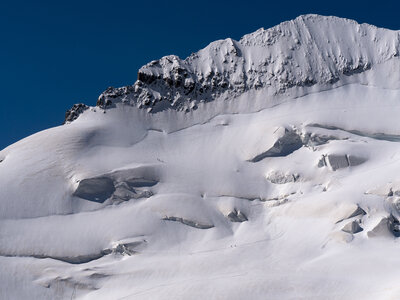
57	53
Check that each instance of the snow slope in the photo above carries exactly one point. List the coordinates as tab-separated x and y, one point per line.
274	177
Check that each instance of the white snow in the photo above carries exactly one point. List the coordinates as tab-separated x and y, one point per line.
179	242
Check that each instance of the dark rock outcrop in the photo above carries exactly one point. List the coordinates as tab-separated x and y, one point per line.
73	113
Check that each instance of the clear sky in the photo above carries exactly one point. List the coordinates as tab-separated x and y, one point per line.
57	53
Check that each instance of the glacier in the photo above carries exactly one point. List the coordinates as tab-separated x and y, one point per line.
264	168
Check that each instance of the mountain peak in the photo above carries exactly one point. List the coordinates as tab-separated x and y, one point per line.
281	182
307	51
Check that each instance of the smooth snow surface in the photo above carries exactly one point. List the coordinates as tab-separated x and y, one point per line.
294	195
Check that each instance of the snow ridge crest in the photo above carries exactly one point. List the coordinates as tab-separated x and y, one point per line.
306	51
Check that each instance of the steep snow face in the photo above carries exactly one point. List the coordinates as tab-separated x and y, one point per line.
287	188
310	50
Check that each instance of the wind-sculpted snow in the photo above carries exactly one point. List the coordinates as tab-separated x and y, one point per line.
357	212
352	227
280	181
288	143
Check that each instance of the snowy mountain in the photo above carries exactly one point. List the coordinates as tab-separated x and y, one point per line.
310	50
264	168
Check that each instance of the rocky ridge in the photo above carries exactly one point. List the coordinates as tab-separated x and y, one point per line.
309	50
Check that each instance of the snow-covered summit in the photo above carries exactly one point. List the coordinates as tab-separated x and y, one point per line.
282	184
309	50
